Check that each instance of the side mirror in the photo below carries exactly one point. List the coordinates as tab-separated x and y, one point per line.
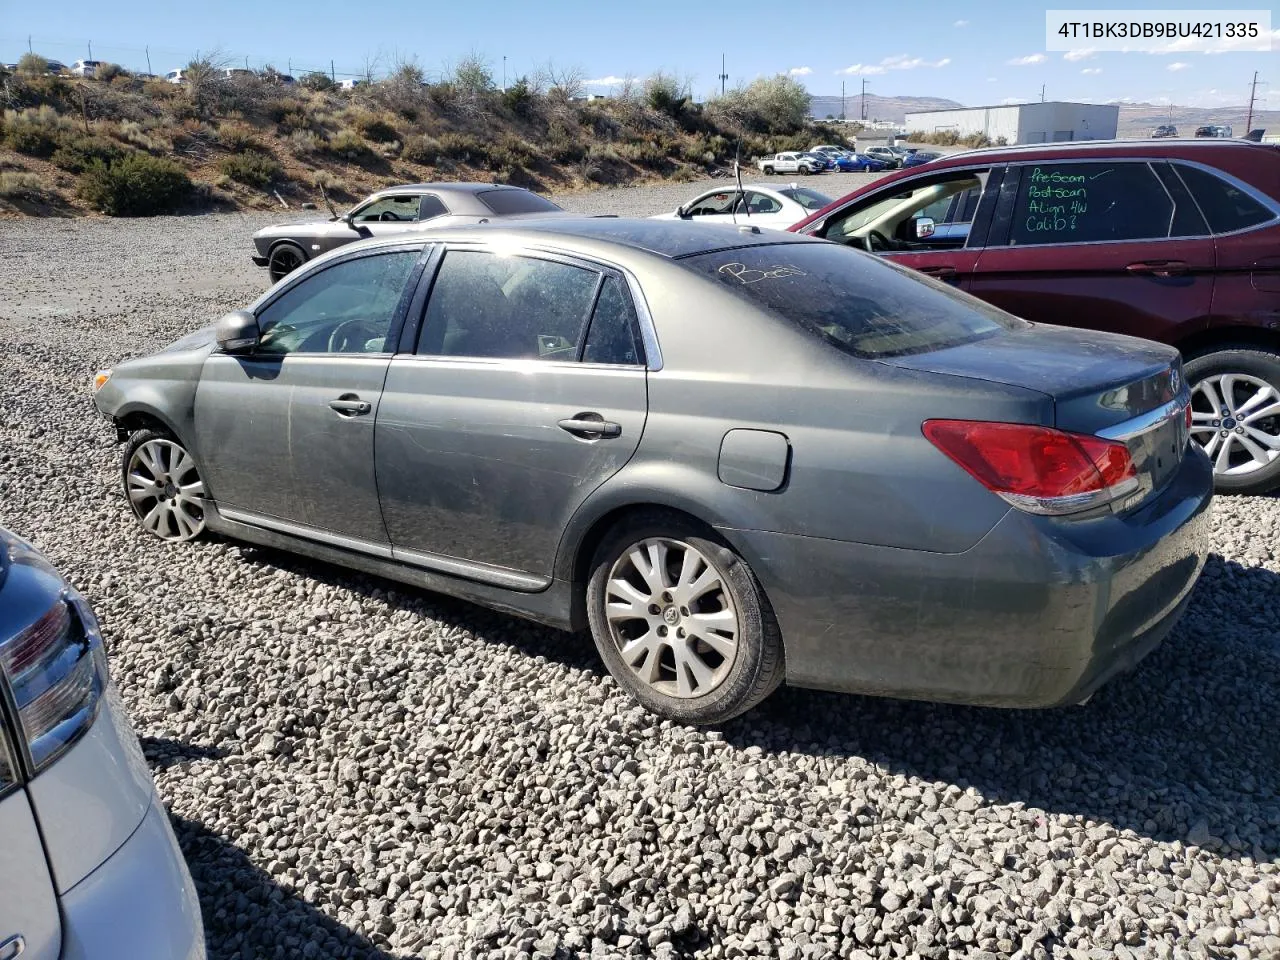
683	213
924	228
237	331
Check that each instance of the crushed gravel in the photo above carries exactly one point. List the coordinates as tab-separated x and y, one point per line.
359	769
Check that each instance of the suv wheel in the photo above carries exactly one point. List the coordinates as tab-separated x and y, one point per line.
1235	416
163	486
681	622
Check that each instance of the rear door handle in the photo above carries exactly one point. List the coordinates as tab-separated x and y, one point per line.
1159	268
348	405
590	425
12	948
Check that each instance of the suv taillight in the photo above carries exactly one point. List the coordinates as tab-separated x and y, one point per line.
1038	469
57	671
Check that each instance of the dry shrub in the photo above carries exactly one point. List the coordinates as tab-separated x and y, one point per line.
36	131
21	186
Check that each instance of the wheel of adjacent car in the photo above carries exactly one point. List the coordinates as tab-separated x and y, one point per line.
1235	415
681	622
284	259
163	485
768	171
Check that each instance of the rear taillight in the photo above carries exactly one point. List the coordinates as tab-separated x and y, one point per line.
56	670
1037	469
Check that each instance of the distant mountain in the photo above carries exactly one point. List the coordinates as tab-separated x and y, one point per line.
1139	119
878	108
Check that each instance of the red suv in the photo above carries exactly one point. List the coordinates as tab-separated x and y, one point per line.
1173	240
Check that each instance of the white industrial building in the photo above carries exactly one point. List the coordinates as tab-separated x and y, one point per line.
1049	122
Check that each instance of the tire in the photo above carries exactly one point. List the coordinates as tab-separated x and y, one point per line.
284	259
1252	375
734	674
768	171
163	486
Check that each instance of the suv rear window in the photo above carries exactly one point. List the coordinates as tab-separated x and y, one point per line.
1225	206
507	202
864	306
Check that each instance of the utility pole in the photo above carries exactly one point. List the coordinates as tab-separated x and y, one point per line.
1253	96
864	98
724	76
147	50
29	50
332	76
504	73
842	104
90	42
1042	93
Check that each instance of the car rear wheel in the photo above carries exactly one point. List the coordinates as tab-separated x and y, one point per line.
285	258
681	622
163	485
1235	416
768	171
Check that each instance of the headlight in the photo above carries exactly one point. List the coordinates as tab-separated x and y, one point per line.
100	379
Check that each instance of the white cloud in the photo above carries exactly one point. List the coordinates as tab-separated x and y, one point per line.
992	79
1091	71
1225	45
899	62
800	71
1085	53
1027	60
610	81
1175	67
961	23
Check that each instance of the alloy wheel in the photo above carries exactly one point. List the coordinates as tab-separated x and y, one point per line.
166	491
1236	420
672	617
284	260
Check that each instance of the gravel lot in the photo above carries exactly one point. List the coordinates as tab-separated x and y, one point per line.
359	769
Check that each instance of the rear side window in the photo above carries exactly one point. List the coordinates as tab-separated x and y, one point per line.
1089	203
859	304
507	307
507	202
613	336
809	199
431	206
1225	206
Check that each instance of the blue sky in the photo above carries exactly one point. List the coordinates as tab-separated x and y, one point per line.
984	53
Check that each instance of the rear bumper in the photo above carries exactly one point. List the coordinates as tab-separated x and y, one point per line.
1039	613
140	904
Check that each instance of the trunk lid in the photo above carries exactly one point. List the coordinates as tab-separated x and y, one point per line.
1108	385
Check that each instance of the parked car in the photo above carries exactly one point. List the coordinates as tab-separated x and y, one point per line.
864	163
790	162
828	148
286	246
86	68
1174	240
886	155
351	84
918	157
176	76
1164	130
824	161
736	455
757	203
89	866
1213	131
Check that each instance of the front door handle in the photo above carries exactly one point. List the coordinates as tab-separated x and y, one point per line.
348	405
12	948
1159	268
590	426
941	272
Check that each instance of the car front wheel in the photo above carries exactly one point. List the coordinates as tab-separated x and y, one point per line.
163	485
681	622
1235	416
284	259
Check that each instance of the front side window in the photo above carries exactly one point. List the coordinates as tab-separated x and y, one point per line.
507	307
889	215
714	204
400	209
1225	206
1090	202
346	308
869	308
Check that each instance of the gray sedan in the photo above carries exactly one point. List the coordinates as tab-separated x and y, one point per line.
739	457
284	247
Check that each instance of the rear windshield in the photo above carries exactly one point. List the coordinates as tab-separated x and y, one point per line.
809	199
506	202
860	304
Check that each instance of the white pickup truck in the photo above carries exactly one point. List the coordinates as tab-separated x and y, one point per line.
790	162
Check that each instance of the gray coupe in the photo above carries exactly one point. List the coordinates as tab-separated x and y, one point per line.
283	247
739	457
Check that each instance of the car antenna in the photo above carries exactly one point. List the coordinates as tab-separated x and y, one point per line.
742	194
327	202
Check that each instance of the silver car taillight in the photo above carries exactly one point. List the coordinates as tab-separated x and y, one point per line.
56	671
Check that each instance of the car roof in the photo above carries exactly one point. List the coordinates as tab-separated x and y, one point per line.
1163	146
609	236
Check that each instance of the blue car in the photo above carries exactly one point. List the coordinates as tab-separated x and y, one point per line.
919	157
849	162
